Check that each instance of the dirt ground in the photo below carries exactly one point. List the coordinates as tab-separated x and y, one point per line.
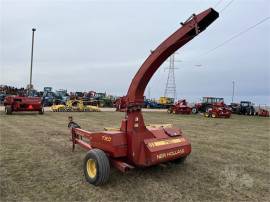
229	161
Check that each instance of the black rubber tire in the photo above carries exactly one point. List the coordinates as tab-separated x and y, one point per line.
194	110
8	110
41	111
180	160
102	167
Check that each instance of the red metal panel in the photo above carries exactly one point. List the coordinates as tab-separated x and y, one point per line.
20	103
112	142
84	144
161	150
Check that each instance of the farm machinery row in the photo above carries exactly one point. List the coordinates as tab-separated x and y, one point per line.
210	107
248	108
161	103
216	108
60	97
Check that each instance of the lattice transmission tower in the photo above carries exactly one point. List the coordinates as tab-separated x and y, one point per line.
170	89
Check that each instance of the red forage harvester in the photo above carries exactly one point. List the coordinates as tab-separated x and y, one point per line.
134	144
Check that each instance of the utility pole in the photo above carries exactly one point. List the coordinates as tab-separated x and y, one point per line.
170	88
31	66
233	85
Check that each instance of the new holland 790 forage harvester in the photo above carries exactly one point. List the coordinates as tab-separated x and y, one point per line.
134	144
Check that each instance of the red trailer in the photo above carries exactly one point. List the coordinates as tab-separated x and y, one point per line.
180	107
134	144
20	103
263	112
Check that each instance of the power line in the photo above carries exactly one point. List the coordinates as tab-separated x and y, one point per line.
217	3
237	35
226	6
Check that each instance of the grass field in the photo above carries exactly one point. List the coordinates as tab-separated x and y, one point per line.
229	161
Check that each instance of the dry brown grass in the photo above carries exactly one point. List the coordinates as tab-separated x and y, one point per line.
229	161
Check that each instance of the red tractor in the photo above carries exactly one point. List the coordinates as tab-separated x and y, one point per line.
207	102
218	110
180	107
133	144
20	103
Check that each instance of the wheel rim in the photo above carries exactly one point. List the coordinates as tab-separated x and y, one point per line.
213	115
91	168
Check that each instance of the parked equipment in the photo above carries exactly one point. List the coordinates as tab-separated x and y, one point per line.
75	106
20	103
218	110
134	144
161	103
207	102
235	108
49	97
62	95
120	104
165	102
103	100
180	107
2	98
59	108
263	112
247	108
151	104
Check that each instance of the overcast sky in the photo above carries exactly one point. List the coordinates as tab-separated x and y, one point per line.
99	45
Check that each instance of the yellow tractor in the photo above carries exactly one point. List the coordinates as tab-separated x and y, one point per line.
165	100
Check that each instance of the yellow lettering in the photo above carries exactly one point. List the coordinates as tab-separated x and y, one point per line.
106	138
165	142
170	154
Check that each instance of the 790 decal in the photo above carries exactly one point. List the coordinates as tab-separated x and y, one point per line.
106	138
